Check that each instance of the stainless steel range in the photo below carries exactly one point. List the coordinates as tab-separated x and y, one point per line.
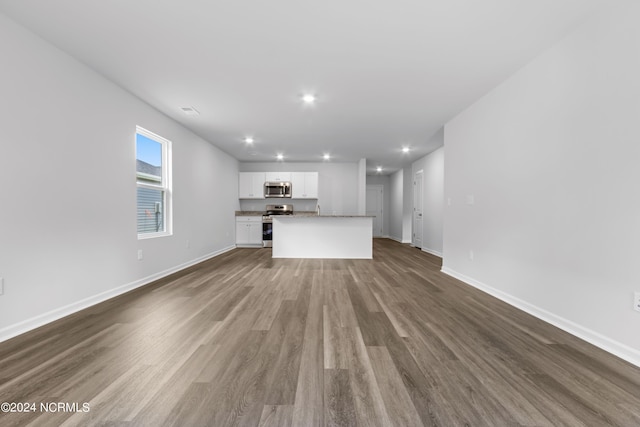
267	222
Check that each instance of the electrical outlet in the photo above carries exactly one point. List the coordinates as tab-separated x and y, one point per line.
471	255
188	244
140	254
1	285
636	301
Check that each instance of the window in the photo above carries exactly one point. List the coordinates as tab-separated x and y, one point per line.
153	176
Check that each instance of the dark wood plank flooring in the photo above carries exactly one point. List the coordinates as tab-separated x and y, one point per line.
243	339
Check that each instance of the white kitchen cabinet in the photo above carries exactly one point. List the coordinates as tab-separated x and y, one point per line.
251	185
304	185
249	230
278	176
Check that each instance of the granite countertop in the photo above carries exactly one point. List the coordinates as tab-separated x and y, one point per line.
304	213
301	214
260	213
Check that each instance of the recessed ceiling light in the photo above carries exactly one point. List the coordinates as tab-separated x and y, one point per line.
280	156
405	149
190	111
309	98
379	169
326	156
249	140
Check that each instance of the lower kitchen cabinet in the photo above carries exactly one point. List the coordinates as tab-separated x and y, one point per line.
249	231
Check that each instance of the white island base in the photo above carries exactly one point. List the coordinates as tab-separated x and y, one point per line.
344	237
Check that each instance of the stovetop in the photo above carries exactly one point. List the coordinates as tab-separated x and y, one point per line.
278	210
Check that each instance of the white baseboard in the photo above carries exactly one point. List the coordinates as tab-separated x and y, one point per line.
397	239
53	315
432	252
616	348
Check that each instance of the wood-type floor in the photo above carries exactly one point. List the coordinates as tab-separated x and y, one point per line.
243	339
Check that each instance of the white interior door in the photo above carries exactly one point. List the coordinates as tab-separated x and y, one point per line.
374	207
417	209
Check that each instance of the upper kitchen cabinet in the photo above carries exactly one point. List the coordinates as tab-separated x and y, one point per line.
278	176
251	185
304	185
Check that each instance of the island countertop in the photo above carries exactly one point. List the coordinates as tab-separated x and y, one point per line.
314	215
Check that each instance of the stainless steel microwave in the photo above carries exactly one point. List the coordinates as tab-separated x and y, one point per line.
277	190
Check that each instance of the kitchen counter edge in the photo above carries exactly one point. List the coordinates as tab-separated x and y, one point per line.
302	214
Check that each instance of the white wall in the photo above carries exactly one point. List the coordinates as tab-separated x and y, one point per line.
432	197
362	186
396	205
383	180
401	205
68	191
337	186
551	159
407	209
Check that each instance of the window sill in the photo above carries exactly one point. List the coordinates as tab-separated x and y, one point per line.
153	235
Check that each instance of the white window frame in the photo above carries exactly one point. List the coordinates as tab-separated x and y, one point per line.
165	185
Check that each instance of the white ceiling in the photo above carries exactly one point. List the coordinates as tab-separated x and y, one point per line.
387	73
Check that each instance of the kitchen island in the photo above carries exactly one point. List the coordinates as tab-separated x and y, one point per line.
323	236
